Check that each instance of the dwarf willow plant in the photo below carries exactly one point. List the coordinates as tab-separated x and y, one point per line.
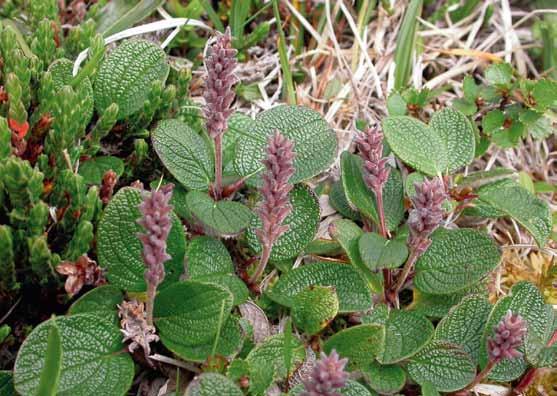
225	277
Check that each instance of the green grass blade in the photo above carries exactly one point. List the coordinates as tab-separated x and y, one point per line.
283	56
405	44
50	374
238	15
212	15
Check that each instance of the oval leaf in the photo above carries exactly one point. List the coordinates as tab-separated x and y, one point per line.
455	260
210	384
223	218
126	75
187	315
314	307
89	345
353	294
101	301
363	199
406	333
416	144
360	344
314	141
457	134
464	325
445	366
385	379
184	153
515	201
119	250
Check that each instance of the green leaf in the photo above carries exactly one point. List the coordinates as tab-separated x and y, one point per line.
210	384
102	301
230	282
464	325
363	199
457	134
525	300
338	200
228	343
209	261
94	169
499	74
352	388
61	70
223	218
184	153
396	105
314	308
385	379
347	233
6	384
539	126
410	183
438	305
302	226
314	141
187	314
455	260
544	94
266	362
360	344
353	294
119	250
92	358
207	256
406	333
125	74
50	373
428	389
119	15
445	366
515	201
416	144
377	252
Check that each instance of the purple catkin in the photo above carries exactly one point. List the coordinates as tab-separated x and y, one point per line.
220	63
155	210
370	146
328	376
427	213
507	338
279	166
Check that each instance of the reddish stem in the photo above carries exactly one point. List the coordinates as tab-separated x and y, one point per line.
218	167
262	264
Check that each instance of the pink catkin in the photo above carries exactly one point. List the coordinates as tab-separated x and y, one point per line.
155	210
370	147
427	213
220	64
507	338
279	165
328	376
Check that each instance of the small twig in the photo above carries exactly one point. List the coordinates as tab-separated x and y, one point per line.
218	167
262	264
174	362
10	311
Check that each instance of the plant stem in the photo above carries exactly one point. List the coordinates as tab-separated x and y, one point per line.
262	264
149	305
406	271
381	213
218	167
387	279
481	375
